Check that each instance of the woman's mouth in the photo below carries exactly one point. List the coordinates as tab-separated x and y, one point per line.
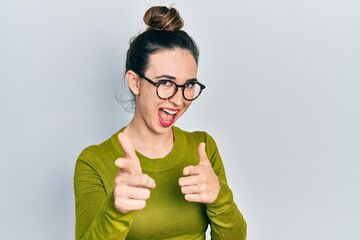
167	116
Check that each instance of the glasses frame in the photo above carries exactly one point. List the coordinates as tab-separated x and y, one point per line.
177	86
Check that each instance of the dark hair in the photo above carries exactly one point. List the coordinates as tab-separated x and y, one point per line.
163	32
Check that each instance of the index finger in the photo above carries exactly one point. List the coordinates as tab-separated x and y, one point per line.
191	170
129	149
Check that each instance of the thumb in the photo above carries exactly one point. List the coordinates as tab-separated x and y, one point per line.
203	159
129	149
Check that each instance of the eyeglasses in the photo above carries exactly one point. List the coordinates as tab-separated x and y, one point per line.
166	89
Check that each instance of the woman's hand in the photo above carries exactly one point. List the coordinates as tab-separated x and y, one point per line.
132	187
200	183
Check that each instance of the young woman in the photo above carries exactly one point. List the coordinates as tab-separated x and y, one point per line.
152	180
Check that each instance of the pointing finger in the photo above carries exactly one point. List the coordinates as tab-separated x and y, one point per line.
125	165
129	150
136	180
191	170
203	159
127	145
141	181
191	180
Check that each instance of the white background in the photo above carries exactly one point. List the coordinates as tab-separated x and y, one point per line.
282	101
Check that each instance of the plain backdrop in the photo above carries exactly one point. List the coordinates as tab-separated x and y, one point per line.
282	101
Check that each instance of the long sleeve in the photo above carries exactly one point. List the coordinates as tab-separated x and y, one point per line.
226	221
96	216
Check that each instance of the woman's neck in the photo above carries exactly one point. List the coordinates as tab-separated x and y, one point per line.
149	143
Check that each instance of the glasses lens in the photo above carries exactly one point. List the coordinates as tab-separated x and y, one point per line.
166	89
192	91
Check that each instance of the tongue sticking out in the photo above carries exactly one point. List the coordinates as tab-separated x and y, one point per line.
166	119
166	116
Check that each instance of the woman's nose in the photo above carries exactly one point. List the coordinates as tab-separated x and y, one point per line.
178	98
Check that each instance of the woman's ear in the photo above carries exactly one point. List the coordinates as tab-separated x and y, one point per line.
133	81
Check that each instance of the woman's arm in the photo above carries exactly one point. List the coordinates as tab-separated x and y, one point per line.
226	220
96	216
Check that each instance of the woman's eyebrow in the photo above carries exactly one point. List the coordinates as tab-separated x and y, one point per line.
174	78
192	80
166	76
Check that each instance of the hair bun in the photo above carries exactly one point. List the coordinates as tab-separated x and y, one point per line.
163	18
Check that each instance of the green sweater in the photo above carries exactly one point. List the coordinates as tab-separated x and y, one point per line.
167	214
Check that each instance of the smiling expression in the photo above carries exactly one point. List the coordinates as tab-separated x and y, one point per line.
159	115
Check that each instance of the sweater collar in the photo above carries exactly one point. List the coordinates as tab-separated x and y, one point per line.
172	159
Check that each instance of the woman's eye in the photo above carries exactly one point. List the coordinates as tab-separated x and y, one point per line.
190	85
165	83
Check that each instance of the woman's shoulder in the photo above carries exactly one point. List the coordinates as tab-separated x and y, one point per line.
103	150
178	130
97	162
197	136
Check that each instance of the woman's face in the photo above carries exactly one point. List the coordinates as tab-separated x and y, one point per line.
159	115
